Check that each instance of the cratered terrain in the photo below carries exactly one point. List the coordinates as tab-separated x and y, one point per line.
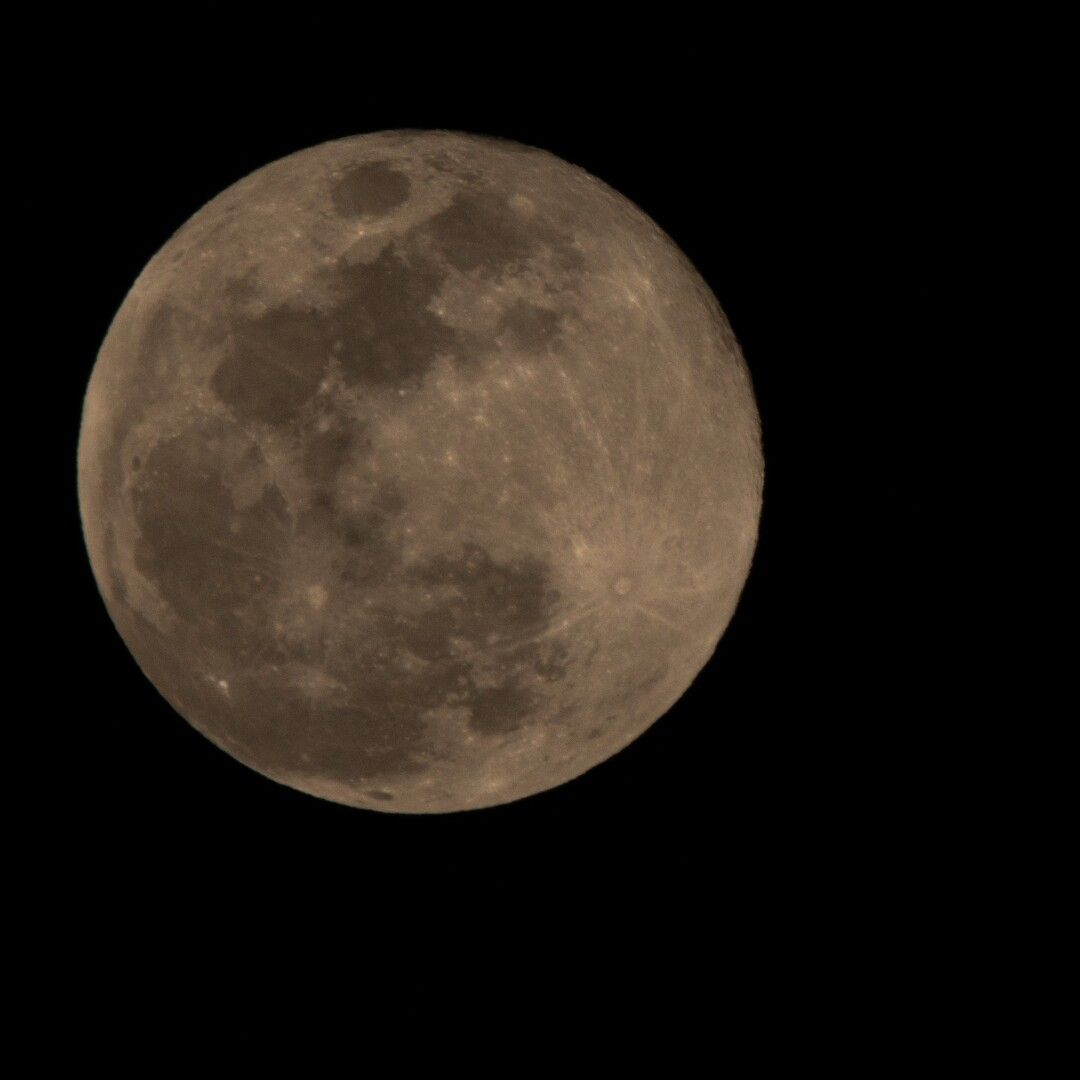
420	471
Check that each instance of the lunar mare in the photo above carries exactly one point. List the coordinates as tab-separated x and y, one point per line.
420	471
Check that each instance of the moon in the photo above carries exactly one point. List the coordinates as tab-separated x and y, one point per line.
420	471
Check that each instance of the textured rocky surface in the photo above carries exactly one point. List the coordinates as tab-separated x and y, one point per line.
420	471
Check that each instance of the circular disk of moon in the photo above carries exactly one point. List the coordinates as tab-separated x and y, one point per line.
420	471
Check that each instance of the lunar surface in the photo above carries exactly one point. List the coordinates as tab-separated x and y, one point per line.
420	471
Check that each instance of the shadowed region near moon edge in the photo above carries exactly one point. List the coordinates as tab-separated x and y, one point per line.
376	499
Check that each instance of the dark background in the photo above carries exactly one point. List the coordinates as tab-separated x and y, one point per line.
766	760
787	842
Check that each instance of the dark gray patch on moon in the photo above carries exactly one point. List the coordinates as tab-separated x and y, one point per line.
498	710
495	608
328	450
203	556
377	728
370	191
218	566
479	231
388	334
375	732
274	365
530	326
379	330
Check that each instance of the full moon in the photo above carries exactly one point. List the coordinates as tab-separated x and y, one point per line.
420	471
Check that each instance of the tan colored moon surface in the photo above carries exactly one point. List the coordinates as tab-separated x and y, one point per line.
420	471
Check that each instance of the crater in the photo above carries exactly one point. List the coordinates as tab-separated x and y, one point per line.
369	191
